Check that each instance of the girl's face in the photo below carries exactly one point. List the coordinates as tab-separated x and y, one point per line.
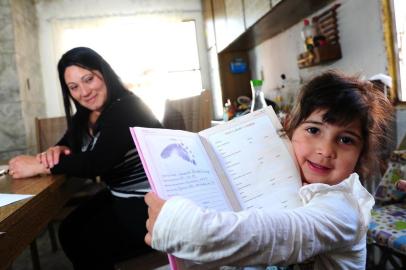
326	153
86	87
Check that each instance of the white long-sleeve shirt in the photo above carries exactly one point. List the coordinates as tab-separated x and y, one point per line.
330	228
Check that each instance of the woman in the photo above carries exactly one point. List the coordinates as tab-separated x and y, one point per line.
111	226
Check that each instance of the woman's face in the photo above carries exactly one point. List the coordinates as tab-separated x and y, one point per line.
326	153
86	87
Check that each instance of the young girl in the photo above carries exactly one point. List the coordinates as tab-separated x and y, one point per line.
336	129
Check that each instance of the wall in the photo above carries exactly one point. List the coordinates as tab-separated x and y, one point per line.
50	11
18	69
12	131
28	63
362	45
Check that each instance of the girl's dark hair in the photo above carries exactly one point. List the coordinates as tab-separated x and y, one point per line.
88	59
345	99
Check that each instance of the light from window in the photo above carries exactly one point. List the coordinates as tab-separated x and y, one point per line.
156	58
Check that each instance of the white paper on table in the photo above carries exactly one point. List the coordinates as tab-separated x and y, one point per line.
10	198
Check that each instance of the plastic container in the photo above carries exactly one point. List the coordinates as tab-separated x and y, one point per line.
258	99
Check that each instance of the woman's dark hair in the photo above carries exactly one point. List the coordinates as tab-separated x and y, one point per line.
345	99
88	59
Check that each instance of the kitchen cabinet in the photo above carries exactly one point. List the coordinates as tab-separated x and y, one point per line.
220	24
228	17
209	24
235	18
254	10
260	22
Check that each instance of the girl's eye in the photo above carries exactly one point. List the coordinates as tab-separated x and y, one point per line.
312	130
346	140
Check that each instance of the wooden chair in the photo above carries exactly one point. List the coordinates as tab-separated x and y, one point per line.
48	132
191	114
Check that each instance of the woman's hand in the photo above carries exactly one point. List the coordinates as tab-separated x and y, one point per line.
26	166
154	207
401	185
50	157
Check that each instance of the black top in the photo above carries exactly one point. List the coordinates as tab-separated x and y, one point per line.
111	152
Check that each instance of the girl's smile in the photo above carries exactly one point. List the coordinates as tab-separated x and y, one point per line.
326	153
318	168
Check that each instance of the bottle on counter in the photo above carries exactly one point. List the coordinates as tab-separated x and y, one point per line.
258	99
307	35
229	111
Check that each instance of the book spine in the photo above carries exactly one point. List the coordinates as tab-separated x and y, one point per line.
171	259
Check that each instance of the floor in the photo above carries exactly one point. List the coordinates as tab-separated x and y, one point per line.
49	260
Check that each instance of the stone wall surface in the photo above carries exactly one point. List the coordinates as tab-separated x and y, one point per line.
28	66
21	98
12	130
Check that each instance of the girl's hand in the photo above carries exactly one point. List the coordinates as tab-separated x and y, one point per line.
26	166
154	207
50	157
401	185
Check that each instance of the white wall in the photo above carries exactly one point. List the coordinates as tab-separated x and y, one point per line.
362	45
48	11
361	39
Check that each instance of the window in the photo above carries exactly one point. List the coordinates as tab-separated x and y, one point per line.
399	7
156	57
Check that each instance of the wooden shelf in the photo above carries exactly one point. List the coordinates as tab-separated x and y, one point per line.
281	17
319	55
326	24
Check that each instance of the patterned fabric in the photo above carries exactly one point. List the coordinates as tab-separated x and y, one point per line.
388	227
386	191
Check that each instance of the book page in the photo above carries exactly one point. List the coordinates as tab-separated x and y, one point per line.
257	161
177	165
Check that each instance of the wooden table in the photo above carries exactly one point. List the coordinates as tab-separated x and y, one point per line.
24	220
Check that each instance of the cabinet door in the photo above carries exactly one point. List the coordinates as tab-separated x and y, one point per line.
220	24
229	21
233	85
215	83
235	18
209	23
254	10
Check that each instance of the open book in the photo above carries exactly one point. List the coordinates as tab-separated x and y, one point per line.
241	164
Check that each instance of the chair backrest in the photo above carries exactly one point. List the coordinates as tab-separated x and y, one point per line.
49	131
191	114
386	192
